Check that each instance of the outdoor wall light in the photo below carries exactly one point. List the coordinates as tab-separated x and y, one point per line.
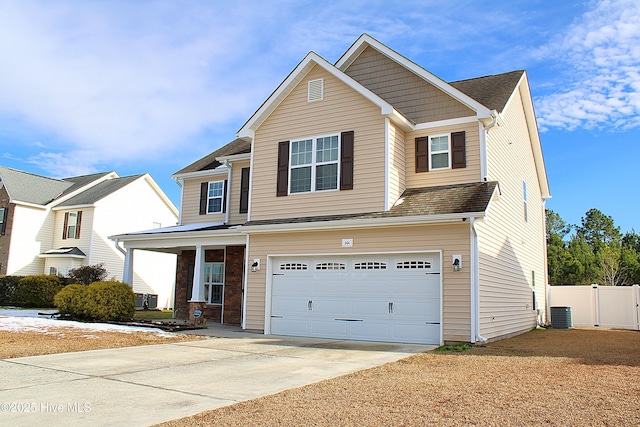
256	265
457	262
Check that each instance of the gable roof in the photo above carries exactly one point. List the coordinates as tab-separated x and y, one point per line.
99	191
491	91
30	188
297	75
208	162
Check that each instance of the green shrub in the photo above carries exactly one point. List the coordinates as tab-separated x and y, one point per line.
101	301
70	300
8	287
38	290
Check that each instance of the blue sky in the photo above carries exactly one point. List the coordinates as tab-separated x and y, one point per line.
151	86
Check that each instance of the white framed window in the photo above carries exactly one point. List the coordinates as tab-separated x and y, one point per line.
2	215
439	152
72	225
53	271
215	195
3	220
314	164
213	282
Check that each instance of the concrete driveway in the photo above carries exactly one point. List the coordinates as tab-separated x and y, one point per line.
140	386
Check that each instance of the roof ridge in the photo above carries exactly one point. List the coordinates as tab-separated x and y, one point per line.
33	174
488	75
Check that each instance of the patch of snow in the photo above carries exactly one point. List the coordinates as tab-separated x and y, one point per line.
15	320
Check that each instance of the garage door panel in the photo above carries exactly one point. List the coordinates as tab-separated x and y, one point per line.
374	298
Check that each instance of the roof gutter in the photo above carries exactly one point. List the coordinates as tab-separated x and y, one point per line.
360	223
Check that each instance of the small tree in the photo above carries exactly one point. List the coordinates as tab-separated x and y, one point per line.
88	274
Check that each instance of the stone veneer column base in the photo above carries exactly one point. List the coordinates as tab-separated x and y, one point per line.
193	306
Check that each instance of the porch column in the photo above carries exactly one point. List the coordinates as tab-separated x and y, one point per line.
197	294
127	272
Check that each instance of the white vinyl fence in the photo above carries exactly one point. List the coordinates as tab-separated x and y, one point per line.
601	306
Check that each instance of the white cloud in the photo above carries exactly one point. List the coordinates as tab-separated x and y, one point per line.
602	86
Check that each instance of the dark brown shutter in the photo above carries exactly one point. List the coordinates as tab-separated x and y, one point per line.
204	189
282	187
78	222
224	196
346	160
66	223
458	150
422	154
244	191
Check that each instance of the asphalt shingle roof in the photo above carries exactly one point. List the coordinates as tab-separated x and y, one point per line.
427	201
30	188
99	191
491	91
237	146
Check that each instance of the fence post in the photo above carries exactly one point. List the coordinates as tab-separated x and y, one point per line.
595	301
636	301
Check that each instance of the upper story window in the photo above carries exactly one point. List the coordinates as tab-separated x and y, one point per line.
72	222
315	164
213	197
441	152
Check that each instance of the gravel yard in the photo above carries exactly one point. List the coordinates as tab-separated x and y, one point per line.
553	377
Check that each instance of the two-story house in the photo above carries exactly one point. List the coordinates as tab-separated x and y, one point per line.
369	200
50	226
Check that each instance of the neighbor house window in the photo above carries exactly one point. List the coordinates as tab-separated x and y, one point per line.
53	271
3	220
215	196
439	151
213	282
314	164
72	221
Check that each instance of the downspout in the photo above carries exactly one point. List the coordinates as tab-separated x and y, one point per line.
179	182
475	285
228	190
118	247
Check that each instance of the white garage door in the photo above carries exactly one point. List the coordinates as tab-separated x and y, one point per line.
381	298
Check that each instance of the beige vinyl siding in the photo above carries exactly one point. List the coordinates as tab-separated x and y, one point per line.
132	208
510	248
451	239
235	217
397	164
416	98
342	109
30	236
191	201
445	176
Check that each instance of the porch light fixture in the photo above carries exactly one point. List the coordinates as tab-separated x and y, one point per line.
457	262
256	265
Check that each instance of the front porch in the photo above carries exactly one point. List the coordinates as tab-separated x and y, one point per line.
219	295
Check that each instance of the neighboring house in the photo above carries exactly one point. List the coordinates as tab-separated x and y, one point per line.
369	200
53	225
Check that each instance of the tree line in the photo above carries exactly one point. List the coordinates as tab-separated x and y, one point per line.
594	251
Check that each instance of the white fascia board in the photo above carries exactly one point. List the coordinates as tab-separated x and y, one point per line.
361	223
73	208
183	240
234	158
27	204
534	135
219	171
356	49
61	256
293	79
448	122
